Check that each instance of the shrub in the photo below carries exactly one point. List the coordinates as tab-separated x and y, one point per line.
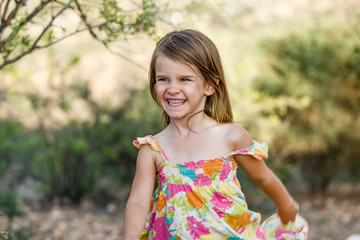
313	87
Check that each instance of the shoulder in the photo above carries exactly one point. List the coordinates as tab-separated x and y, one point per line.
146	159
147	148
237	136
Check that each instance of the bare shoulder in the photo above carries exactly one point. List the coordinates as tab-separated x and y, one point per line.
237	136
146	149
146	155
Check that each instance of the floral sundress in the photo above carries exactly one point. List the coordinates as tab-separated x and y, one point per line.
203	200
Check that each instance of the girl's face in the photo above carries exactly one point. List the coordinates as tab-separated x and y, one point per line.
180	88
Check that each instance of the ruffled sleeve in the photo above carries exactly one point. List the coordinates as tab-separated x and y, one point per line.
140	141
258	150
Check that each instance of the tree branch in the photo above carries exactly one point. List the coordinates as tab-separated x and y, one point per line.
34	45
27	19
37	10
124	57
50	24
1	3
105	44
83	18
14	11
69	35
5	10
12	14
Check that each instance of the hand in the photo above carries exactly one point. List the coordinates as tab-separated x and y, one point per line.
289	213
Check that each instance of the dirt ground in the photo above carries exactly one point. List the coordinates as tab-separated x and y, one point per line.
332	217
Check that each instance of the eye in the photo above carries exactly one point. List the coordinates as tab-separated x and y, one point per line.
161	80
185	79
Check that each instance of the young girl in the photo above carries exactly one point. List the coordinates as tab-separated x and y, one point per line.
194	159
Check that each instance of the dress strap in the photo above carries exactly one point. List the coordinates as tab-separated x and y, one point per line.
149	139
258	150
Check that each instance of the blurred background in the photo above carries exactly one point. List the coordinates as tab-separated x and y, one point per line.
74	94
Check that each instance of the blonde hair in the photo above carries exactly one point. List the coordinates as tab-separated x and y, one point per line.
194	48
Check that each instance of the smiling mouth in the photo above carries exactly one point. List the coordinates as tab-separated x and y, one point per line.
176	102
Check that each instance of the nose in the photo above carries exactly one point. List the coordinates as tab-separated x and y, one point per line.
173	88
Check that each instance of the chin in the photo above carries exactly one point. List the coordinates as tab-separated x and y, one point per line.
176	117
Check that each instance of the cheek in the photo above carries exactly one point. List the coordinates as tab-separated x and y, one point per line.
192	91
159	91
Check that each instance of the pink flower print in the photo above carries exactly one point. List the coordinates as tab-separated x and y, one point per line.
170	215
160	229
279	234
221	202
173	189
161	176
196	228
260	233
193	165
219	213
151	222
202	180
225	172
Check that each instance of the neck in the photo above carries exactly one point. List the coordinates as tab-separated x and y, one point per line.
192	125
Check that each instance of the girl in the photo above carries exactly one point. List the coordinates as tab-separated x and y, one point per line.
194	159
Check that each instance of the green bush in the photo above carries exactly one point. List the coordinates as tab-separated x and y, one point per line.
9	206
313	87
9	131
66	167
83	153
84	158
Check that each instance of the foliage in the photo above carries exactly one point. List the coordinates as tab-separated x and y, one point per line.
313	88
106	21
9	205
8	131
3	235
86	157
26	232
71	161
21	233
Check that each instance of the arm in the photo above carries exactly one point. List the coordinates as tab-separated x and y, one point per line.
271	185
138	204
263	176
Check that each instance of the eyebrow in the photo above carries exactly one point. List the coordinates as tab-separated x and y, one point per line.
182	76
159	76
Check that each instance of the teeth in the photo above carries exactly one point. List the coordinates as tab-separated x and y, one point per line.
176	102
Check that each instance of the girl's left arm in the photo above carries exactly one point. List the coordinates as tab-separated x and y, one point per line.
271	185
262	175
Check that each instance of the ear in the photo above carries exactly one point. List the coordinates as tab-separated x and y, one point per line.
209	89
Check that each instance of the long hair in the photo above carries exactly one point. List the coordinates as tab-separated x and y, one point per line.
194	48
